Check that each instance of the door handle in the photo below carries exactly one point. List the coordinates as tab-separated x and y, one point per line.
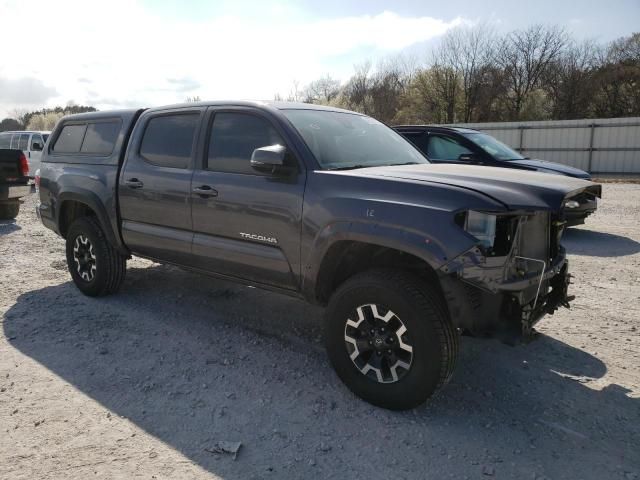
133	183
205	191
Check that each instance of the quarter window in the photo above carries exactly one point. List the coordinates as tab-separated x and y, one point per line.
168	140
5	140
234	137
101	137
70	139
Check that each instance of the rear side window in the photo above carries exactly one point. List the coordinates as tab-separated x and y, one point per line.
23	143
101	137
70	139
234	137
168	140
5	140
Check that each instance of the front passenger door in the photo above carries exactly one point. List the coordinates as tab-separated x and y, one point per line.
246	223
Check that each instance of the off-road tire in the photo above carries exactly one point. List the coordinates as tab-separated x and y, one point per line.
110	265
421	308
9	210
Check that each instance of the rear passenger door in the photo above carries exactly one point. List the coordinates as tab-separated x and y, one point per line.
155	185
246	223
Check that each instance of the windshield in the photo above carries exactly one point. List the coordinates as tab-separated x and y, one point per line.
344	140
494	147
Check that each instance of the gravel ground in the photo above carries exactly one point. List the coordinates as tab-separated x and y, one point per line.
146	382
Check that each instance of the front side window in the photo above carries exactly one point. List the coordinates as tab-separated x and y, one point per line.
234	137
347	140
445	148
168	140
70	139
101	137
36	138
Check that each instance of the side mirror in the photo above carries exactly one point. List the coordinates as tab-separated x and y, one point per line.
469	158
268	159
36	147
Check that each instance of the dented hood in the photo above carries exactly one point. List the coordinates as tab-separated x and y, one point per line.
516	189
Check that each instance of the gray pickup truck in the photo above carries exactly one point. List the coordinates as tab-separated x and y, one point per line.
323	204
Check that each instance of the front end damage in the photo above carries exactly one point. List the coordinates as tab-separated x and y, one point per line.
515	274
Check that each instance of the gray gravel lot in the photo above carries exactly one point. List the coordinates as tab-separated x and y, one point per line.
144	383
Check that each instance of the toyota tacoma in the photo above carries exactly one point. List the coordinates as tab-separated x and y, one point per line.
323	204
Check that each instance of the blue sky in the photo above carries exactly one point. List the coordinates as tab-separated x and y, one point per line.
125	53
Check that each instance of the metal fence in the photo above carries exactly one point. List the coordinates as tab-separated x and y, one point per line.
610	145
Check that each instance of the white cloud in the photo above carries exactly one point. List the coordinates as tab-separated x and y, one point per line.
121	52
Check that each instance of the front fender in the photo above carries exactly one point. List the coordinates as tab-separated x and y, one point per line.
429	247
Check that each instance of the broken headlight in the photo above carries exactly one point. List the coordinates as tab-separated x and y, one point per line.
482	226
494	233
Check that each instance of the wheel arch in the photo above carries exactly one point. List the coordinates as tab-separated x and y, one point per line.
76	204
343	249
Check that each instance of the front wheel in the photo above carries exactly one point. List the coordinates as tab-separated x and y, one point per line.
96	267
390	339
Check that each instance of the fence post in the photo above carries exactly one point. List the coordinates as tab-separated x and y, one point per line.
521	128
593	128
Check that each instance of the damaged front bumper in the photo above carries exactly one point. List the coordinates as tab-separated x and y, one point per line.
506	296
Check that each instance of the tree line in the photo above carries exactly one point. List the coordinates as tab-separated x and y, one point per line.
44	119
475	75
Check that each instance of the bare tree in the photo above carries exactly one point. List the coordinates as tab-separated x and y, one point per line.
569	80
524	56
467	51
357	91
322	91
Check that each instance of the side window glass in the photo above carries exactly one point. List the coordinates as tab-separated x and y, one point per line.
101	137
168	140
15	141
70	139
23	143
420	140
234	137
35	138
5	140
445	148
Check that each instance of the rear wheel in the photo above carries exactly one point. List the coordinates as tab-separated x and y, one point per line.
9	210
96	267
389	338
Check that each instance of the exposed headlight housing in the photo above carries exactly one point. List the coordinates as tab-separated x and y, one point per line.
482	226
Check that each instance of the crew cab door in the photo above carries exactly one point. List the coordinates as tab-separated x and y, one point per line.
36	145
154	187
246	223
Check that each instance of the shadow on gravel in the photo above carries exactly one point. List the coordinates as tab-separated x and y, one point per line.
598	244
8	226
194	360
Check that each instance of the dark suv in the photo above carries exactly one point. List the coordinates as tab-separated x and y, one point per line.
471	147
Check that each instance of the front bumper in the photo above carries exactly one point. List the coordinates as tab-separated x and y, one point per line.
504	296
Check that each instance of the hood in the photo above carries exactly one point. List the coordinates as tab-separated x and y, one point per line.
515	189
551	167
